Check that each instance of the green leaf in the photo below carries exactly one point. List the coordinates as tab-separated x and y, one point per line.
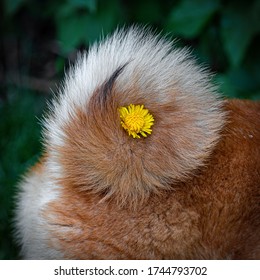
103	21
238	82
225	86
77	27
70	32
238	27
189	17
91	5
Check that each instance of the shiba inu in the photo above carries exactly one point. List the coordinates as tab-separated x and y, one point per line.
143	159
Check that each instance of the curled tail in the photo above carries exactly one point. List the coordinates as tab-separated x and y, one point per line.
135	116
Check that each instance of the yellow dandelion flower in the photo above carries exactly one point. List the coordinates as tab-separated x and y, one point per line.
136	120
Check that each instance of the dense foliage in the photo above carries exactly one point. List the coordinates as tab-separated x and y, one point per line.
39	38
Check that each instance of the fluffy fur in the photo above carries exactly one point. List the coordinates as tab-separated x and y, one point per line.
188	190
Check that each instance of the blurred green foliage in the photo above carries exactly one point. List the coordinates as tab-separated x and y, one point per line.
40	37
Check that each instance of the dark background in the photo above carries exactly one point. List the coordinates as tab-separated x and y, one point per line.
40	38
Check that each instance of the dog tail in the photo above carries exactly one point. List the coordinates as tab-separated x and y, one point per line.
135	116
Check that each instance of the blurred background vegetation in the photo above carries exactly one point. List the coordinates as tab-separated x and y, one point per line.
39	39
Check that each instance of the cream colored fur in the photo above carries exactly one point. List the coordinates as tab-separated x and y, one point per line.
36	191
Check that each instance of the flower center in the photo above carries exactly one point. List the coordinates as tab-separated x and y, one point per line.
134	122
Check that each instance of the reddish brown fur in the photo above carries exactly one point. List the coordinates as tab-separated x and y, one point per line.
100	157
213	215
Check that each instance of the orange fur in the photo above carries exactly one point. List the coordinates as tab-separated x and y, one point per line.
214	215
98	156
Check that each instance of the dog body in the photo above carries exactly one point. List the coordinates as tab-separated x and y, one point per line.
189	190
